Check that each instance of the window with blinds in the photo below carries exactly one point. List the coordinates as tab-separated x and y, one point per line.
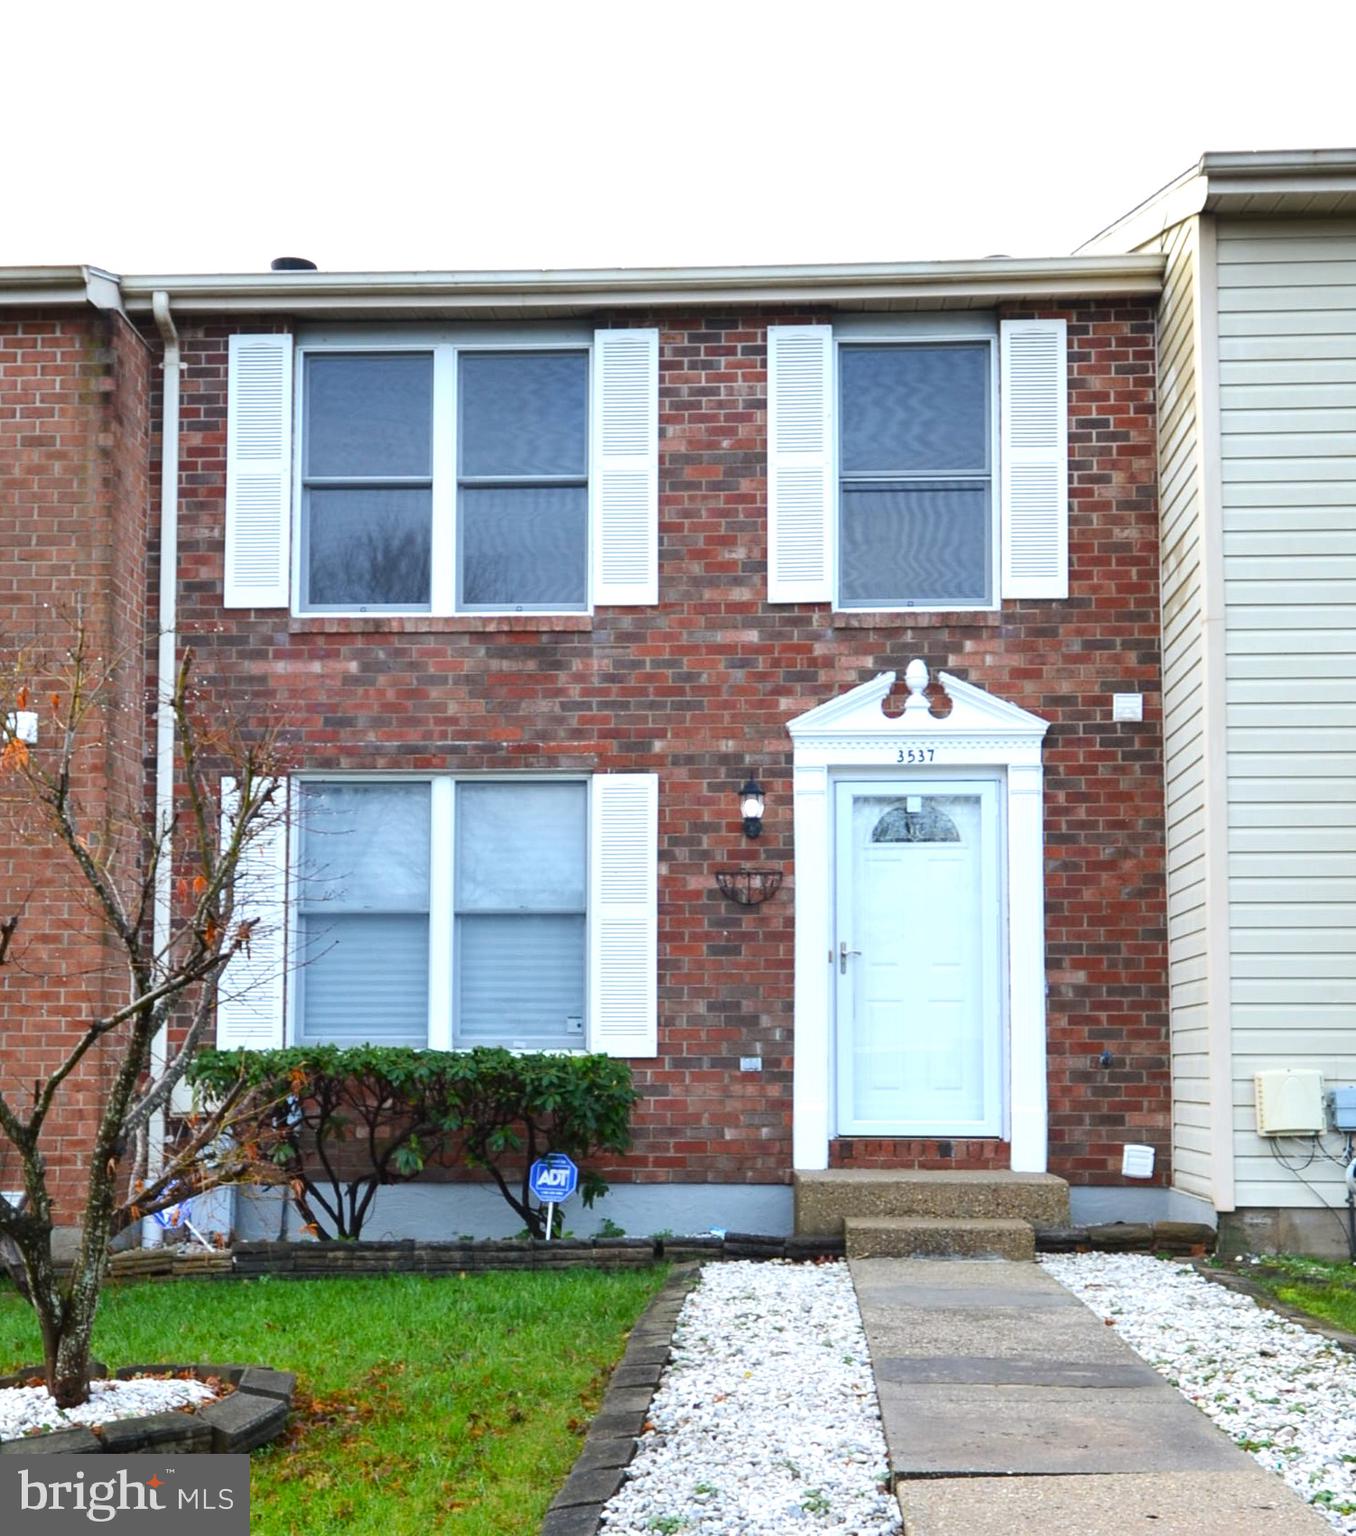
410	502
521	898
522	480
371	882
443	469
367	481
363	913
916	523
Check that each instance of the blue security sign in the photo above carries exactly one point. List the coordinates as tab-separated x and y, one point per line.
553	1178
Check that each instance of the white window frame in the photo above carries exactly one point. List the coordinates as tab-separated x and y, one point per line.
914	330
445	343
441	894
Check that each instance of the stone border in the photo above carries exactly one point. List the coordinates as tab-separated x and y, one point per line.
1178	1239
410	1256
1187	1239
250	1416
610	1444
1231	1280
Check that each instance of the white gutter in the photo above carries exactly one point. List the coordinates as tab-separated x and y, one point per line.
1309	164
505	294
166	659
498	294
50	286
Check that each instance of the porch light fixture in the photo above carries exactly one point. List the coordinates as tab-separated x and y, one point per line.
751	801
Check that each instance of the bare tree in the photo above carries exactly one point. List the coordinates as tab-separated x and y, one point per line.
115	856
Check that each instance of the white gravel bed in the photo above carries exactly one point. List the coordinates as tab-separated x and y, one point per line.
766	1419
23	1410
1282	1392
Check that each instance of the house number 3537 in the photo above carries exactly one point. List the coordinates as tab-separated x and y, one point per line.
915	754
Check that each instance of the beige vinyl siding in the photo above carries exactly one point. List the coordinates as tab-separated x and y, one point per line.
1183	709
1287	316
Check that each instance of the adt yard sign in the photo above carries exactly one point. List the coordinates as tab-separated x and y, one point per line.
553	1178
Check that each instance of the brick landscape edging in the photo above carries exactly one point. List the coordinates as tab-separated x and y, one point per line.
610	1443
309	1259
251	1416
303	1260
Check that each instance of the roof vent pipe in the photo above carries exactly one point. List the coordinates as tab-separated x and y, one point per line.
292	264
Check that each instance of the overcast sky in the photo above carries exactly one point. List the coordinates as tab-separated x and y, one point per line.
398	136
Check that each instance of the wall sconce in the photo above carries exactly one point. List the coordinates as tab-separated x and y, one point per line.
751	801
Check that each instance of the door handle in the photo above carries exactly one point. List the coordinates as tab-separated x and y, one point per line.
843	953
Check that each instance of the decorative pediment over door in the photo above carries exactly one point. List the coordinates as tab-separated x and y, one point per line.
979	728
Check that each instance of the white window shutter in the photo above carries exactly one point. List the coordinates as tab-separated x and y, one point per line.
800	489
250	992
625	479
258	472
623	914
1034	412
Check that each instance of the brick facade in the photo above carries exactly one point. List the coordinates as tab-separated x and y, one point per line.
74	497
700	690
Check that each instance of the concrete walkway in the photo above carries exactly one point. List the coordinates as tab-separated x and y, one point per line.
1010	1408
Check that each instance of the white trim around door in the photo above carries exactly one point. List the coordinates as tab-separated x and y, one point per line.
981	741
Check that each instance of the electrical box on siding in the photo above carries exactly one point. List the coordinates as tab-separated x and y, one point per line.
1343	1102
1289	1102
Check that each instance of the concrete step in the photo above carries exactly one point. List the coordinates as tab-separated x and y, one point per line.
930	1237
826	1198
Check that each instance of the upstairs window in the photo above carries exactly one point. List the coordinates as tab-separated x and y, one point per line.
522	480
367	481
443	470
916	508
918	461
384	526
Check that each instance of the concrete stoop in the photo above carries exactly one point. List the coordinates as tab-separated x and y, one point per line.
910	1214
917	1237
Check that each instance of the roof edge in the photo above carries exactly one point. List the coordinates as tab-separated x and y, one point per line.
991	278
1291	164
1222	181
1173	202
34	286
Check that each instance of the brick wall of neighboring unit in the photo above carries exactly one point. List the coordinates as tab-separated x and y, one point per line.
74	396
700	691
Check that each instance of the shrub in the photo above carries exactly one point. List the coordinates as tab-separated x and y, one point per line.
342	1121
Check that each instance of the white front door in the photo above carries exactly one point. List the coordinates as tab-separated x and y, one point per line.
917	959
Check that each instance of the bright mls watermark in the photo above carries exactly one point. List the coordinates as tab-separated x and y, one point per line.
60	1495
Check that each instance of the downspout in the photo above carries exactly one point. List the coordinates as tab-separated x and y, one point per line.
166	657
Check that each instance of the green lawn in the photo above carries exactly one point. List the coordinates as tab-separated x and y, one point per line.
453	1404
1326	1289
